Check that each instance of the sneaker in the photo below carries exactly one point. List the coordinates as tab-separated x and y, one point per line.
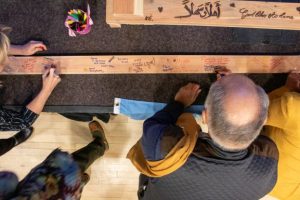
98	133
22	135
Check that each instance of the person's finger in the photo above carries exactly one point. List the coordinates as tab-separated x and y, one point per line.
196	87
197	93
193	86
41	46
38	44
57	79
37	48
51	72
46	73
56	76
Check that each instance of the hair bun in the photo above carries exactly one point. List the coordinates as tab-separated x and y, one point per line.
5	29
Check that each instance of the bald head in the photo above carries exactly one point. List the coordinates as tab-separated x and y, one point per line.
241	101
237	110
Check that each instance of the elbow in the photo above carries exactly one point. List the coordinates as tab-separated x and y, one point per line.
148	124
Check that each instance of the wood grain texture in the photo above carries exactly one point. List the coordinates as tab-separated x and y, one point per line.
112	177
123	6
153	64
225	13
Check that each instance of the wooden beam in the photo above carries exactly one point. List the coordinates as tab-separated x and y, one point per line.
225	13
123	6
153	64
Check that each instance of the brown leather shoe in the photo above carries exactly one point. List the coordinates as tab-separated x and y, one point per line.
98	132
85	178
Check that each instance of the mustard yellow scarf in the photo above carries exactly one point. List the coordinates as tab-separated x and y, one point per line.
175	158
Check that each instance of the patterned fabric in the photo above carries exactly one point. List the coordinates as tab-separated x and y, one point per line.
58	177
210	172
14	121
213	174
8	184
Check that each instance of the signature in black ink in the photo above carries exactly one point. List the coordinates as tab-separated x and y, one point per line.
263	14
140	63
136	69
149	18
97	61
94	70
123	60
206	10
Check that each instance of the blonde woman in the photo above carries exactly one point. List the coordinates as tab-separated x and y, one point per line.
22	121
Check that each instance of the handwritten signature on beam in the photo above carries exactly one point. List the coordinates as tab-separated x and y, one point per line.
264	14
205	10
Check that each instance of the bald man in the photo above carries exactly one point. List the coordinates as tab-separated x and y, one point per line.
231	161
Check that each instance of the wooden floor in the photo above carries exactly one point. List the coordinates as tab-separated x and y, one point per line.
112	176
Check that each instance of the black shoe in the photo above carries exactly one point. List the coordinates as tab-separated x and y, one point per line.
22	135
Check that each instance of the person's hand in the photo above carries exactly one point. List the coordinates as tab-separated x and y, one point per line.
222	71
32	47
293	81
50	80
188	94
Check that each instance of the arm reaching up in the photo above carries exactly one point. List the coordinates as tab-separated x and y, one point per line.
28	49
50	81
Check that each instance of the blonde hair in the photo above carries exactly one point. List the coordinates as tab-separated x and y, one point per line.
4	43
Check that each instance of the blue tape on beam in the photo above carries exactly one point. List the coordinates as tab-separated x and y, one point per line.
141	110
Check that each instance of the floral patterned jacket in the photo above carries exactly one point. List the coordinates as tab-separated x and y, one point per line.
58	177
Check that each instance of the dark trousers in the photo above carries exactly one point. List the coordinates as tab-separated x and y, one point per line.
6	145
88	154
143	182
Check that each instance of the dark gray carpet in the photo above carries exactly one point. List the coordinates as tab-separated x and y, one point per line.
44	20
